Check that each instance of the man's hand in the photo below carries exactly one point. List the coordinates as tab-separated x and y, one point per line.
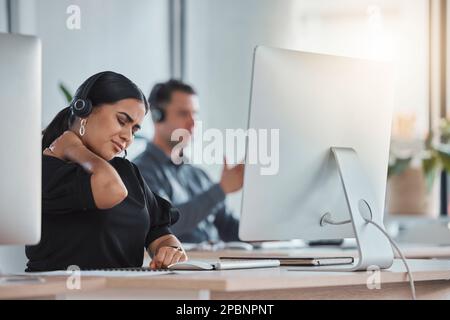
166	256
62	144
232	178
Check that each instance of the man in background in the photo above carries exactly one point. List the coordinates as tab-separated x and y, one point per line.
204	215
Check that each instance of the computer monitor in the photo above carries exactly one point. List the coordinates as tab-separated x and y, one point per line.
20	161
334	119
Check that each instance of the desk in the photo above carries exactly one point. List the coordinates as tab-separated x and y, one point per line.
431	278
51	288
410	252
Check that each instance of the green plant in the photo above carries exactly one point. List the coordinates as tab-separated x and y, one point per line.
67	94
434	157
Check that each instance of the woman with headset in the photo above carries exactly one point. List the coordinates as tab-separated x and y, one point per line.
97	212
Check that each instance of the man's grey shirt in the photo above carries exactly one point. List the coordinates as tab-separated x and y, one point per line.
203	213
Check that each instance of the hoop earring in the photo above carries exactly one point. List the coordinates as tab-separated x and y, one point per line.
82	127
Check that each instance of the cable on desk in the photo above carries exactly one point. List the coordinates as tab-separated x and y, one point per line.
326	219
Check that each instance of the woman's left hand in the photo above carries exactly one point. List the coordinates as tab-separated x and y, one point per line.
166	256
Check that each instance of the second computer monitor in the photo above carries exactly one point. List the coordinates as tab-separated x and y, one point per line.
316	102
20	161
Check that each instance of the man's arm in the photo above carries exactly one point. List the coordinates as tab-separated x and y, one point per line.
197	209
193	211
227	225
202	205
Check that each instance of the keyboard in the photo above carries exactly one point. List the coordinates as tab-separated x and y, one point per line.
107	272
138	269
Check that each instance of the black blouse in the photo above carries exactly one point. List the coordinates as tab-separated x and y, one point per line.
76	232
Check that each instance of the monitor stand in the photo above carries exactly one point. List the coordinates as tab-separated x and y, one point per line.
374	249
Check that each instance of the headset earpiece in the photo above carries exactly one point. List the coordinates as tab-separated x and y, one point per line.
158	115
81	106
159	92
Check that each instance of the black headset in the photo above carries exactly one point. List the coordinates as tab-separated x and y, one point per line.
81	106
157	111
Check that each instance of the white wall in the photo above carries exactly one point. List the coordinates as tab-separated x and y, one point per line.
219	56
221	36
130	37
12	259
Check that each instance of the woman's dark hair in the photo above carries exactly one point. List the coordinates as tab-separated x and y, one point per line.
109	88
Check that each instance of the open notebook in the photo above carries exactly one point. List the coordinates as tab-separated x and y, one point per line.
298	261
199	265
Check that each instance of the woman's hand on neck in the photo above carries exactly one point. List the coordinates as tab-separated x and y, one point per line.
63	144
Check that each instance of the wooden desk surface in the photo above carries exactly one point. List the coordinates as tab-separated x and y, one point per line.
282	278
431	276
410	252
51	287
